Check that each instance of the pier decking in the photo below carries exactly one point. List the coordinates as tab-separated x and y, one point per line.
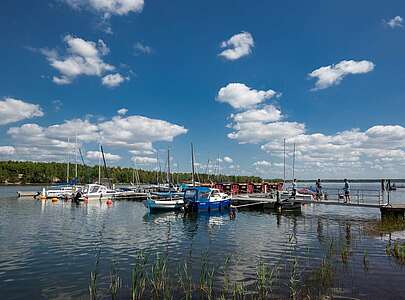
261	200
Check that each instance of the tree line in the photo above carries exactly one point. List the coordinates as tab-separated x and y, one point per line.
27	172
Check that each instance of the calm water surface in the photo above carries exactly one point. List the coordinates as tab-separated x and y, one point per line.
48	250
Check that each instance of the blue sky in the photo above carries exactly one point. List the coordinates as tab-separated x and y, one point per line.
68	66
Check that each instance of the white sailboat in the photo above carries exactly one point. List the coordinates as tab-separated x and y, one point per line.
96	192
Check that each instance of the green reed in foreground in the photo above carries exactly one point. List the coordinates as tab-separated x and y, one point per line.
386	225
151	280
158	278
397	250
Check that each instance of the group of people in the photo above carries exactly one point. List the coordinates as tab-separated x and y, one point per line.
319	192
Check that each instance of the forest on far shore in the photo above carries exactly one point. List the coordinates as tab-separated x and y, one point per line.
26	172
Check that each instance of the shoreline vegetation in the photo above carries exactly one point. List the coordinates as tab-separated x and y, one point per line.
33	173
29	173
292	276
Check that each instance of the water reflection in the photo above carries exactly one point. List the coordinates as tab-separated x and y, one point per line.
50	248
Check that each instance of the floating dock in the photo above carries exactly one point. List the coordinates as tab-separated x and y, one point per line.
267	201
27	194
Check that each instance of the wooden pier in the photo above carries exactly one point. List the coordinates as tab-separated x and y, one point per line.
267	201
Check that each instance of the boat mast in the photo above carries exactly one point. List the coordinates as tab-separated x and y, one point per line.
76	155
284	164
192	165
68	166
157	167
99	164
208	170
219	167
293	164
168	167
105	166
84	165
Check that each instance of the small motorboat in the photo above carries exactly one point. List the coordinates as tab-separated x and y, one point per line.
205	199
61	191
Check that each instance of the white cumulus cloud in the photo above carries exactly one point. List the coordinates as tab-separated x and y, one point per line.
122	111
228	160
14	110
95	155
144	160
109	7
135	133
333	74
127	130
262	163
239	45
82	58
140	48
113	80
269	113
395	22
257	132
240	96
7	150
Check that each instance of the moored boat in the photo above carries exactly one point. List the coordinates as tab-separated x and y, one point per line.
165	204
61	191
205	199
96	192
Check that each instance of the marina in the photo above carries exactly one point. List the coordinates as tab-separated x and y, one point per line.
202	150
281	238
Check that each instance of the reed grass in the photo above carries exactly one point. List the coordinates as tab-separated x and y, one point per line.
396	250
344	254
139	277
115	282
294	280
93	277
185	280
365	261
150	278
239	292
386	225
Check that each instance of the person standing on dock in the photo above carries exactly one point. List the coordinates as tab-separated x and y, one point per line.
346	189
318	189
294	188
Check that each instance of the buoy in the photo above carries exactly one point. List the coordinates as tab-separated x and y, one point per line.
109	202
42	197
54	199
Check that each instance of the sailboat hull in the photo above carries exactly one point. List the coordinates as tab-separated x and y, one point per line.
163	205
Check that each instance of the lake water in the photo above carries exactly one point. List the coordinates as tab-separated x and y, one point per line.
48	250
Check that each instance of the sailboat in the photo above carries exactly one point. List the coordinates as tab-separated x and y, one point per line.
287	197
62	190
168	200
98	191
199	198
